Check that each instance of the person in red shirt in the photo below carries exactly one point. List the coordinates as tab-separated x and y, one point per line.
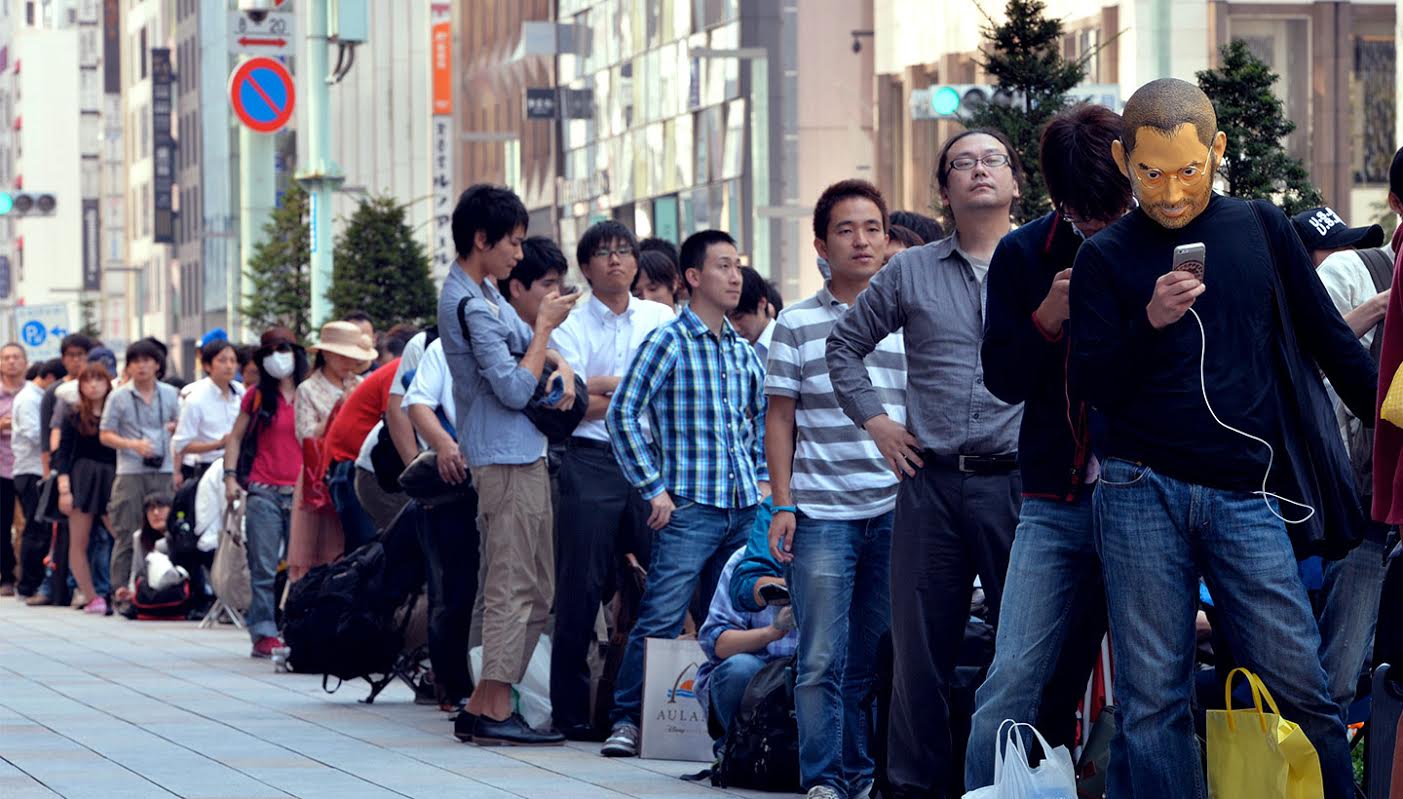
345	434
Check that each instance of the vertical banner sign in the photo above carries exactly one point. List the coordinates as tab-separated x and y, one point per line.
312	220
111	47
441	148
4	277
92	246
163	152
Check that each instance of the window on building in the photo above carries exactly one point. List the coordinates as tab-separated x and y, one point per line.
141	52
1284	44
1372	104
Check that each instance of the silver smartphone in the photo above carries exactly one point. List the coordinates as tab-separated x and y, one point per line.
1190	258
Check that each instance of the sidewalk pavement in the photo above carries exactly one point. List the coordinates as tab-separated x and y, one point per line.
105	708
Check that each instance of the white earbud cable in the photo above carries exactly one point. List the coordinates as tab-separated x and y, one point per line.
1266	495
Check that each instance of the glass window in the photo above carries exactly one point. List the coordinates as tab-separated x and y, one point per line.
665	218
623	90
652	85
657	163
642	220
733	152
681	11
1372	105
1284	44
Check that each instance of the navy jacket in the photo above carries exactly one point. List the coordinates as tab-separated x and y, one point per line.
1022	364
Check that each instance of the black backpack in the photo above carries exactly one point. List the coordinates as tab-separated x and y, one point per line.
340	618
181	539
761	750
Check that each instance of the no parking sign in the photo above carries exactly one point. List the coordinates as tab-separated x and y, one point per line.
262	94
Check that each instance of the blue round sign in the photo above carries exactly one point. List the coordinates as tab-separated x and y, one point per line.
33	333
262	94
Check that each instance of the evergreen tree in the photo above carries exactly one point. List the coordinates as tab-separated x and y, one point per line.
1255	166
279	272
381	269
1024	56
87	314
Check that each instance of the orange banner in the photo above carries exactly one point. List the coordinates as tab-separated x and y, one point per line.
441	47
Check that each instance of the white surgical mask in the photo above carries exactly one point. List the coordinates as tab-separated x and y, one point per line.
278	364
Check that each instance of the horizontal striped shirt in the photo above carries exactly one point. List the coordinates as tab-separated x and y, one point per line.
838	471
704	398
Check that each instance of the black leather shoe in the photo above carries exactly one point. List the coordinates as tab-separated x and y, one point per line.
512	731
581	732
463	724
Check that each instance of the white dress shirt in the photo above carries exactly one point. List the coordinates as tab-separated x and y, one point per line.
597	342
207	414
432	386
26	439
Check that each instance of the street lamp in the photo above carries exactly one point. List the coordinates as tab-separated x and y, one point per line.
759	59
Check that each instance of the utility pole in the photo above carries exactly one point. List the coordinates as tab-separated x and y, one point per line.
321	177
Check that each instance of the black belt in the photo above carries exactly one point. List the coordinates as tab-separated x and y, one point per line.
972	464
581	442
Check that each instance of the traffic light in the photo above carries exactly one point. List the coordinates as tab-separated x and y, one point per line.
25	203
956	101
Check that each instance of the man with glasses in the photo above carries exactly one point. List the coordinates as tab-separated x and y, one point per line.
1220	445
957	503
600	513
1054	610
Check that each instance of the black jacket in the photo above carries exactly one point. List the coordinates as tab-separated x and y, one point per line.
1022	364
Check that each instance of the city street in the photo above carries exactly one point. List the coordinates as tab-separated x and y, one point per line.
103	708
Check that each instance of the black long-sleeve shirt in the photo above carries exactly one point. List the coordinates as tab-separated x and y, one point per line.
73	446
1146	381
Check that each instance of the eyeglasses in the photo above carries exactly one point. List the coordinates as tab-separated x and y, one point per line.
607	253
1188	176
966	162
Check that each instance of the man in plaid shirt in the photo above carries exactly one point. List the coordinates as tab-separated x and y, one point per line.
701	387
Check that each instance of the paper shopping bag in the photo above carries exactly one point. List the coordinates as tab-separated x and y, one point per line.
674	726
1253	754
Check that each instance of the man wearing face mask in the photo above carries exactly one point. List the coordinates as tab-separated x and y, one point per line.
1054	612
1218	431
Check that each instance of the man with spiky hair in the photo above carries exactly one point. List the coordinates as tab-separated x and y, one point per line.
1219	438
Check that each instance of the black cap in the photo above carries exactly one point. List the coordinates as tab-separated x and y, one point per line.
1323	229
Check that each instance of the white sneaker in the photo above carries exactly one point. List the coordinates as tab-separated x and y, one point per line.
623	741
824	792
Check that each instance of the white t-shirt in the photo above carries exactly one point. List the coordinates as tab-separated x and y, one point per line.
432	386
1347	280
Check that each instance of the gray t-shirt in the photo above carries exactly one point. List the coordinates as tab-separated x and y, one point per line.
130	416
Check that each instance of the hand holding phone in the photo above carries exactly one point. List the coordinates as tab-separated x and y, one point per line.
1190	258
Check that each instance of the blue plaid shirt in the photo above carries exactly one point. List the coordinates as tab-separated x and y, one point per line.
705	400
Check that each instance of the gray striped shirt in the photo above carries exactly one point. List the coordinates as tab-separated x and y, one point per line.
838	471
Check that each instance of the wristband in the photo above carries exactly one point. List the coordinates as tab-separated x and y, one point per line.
231	473
786	509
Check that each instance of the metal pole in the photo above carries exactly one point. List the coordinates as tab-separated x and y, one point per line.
321	177
257	196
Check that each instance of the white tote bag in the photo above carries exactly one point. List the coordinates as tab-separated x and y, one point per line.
674	725
1053	778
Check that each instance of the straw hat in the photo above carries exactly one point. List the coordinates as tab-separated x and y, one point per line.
344	338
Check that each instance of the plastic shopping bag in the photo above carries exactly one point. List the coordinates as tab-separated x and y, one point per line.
1053	778
1252	753
532	694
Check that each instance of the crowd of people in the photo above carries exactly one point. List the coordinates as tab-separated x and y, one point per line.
1109	420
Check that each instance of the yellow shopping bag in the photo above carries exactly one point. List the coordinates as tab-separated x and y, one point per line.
1253	754
1392	409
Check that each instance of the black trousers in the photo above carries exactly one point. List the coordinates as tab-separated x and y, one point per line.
449	537
8	561
949	526
35	540
599	518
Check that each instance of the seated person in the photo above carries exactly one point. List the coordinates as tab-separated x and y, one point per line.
758	567
150	539
737	644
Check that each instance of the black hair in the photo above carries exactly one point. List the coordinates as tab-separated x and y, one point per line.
149	534
145	348
655	244
495	211
32	372
752	290
397	338
1073	152
76	340
905	235
773	298
693	253
244	352
942	171
1395	175
1166	105
927	228
357	316
539	257
211	350
161	361
269	387
603	234
658	267
53	367
843	190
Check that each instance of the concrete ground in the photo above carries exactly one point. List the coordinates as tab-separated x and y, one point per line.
105	708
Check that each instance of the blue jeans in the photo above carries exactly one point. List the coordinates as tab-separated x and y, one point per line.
99	555
1053	606
1349	610
692	548
1156	536
840	579
355	522
727	684
266	522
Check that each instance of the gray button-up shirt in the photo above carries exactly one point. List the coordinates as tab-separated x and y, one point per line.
130	416
930	293
490	388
